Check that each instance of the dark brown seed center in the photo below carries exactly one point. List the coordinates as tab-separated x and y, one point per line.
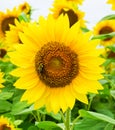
2	53
106	30
23	7
56	65
111	54
73	18
4	127
6	22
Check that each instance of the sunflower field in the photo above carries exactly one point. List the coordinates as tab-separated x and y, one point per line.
55	72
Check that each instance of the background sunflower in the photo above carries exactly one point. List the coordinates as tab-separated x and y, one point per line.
25	7
105	27
69	9
74	1
3	51
12	36
6	19
5	124
112	2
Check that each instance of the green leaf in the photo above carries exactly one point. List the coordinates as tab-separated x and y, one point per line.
90	124
85	29
108	61
5	95
96	116
23	17
108	17
42	110
17	95
103	81
6	66
104	36
17	122
109	127
55	116
5	106
48	125
26	111
112	92
33	128
112	48
18	107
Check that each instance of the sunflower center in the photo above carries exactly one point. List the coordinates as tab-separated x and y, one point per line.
56	65
4	127
2	53
73	18
111	54
6	22
23	7
106	30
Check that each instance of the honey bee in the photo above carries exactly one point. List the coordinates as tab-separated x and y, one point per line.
40	68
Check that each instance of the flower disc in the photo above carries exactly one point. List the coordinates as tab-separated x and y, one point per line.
56	65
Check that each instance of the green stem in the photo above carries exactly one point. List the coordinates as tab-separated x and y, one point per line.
43	117
89	104
39	116
35	117
63	117
68	117
74	121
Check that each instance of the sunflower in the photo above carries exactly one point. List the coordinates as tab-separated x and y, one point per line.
56	64
111	2
73	13
25	7
105	27
1	80
12	36
3	51
75	1
110	56
6	19
5	124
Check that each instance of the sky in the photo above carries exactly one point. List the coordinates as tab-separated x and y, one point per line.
94	9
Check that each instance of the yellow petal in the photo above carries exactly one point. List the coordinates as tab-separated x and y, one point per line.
27	82
54	99
62	100
70	99
37	91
